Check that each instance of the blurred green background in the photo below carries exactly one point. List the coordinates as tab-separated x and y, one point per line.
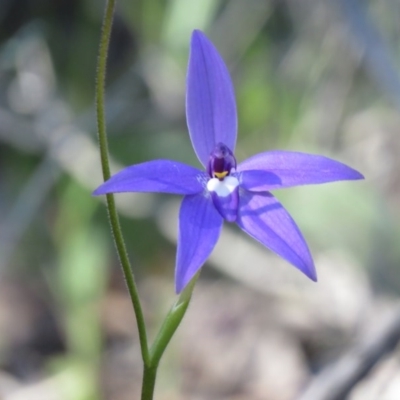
315	76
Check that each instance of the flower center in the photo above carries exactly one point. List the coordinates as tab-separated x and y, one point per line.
221	162
223	188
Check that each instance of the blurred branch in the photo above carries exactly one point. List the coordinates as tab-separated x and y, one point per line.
238	25
338	379
26	207
17	132
377	56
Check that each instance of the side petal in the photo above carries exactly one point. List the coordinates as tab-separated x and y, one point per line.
285	169
265	219
199	229
162	176
258	180
210	100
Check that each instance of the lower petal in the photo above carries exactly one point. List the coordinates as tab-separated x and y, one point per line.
225	196
264	218
199	229
227	206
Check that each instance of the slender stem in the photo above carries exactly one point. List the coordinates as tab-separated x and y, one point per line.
112	211
148	382
151	358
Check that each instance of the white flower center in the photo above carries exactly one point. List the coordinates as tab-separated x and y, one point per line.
222	188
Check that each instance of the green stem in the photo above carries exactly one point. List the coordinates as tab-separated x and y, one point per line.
151	358
112	211
148	382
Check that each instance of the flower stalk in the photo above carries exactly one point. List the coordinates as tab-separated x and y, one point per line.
151	357
112	211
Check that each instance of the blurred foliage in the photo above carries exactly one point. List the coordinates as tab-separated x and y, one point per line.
315	76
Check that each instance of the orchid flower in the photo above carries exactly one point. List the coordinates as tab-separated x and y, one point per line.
225	190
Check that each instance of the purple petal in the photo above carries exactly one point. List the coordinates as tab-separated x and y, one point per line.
227	206
265	219
199	229
291	169
162	176
210	100
257	180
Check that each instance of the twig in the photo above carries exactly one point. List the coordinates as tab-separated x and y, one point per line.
337	380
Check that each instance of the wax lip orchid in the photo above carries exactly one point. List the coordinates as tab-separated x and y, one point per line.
226	190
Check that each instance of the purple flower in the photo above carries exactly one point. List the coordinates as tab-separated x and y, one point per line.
225	190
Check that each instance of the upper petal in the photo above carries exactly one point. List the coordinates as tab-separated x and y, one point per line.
285	168
199	229
264	218
210	100
164	176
